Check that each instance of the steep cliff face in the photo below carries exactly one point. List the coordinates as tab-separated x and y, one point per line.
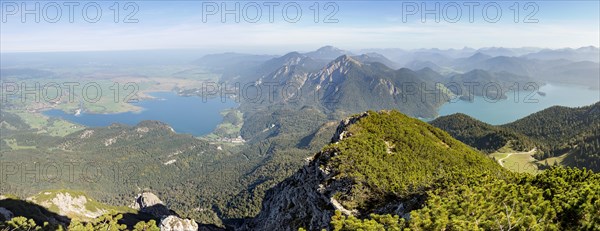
300	200
306	198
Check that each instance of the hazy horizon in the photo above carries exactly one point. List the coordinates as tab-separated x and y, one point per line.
283	52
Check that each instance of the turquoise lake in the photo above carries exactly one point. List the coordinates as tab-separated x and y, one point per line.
184	114
193	116
508	110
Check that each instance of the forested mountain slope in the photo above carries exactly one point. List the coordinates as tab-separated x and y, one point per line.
383	167
480	135
557	126
554	131
381	171
378	162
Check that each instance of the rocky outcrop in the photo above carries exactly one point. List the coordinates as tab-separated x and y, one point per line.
300	200
306	198
174	223
71	204
149	203
68	204
341	132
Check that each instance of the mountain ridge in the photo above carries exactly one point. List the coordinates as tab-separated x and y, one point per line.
325	184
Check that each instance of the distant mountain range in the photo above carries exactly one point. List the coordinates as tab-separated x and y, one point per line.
348	85
328	53
403	56
581	54
492	85
331	73
501	67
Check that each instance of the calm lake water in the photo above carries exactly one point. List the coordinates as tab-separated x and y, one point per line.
185	114
505	111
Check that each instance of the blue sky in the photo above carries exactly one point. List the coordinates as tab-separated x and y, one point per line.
360	24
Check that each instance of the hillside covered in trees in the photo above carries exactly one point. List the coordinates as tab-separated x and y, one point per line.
554	132
556	127
386	171
480	135
557	199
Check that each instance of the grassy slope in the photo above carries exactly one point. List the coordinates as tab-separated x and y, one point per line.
91	206
49	198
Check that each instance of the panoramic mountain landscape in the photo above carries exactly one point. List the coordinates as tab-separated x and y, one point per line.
356	118
286	159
